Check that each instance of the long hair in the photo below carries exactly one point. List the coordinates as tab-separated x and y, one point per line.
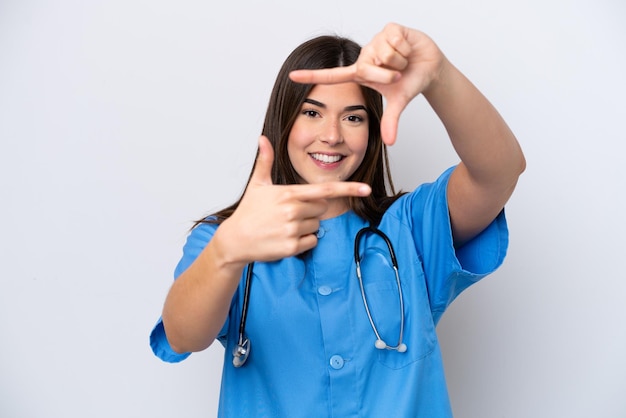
284	105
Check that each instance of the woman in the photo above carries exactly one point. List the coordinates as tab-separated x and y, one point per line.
332	329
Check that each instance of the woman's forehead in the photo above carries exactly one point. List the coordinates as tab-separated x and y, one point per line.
344	94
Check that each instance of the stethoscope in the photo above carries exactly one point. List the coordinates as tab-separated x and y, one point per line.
242	349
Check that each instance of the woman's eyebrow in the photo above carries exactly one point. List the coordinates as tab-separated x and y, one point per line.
323	106
315	103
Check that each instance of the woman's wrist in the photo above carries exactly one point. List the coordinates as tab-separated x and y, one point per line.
225	250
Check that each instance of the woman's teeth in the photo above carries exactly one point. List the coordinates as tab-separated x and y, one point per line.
326	158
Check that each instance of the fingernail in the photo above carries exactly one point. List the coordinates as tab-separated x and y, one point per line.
365	189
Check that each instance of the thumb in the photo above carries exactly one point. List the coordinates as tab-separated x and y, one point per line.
262	171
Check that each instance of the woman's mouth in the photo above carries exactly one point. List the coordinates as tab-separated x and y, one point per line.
325	158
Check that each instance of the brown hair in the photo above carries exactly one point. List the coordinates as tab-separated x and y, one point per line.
284	105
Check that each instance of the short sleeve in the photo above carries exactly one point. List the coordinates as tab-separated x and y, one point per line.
450	271
197	240
161	347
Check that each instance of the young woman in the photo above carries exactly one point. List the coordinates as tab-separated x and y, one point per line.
298	278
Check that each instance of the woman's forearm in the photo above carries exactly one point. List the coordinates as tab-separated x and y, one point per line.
491	157
481	138
198	302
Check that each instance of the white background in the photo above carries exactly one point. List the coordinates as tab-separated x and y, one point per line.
121	121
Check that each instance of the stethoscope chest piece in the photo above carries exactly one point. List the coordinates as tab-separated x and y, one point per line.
241	353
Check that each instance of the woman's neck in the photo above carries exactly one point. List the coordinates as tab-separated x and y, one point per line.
336	207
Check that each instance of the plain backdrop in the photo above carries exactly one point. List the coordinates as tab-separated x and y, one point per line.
121	121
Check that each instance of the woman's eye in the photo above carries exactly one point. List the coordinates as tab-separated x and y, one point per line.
310	113
354	118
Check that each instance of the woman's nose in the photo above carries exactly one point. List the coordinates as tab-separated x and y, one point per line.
331	133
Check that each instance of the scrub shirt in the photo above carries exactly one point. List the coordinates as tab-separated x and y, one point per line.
312	348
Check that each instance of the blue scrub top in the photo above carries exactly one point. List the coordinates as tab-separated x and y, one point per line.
312	346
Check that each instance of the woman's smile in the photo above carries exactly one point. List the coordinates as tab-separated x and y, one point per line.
326	159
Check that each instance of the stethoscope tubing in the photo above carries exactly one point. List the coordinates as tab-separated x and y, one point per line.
242	350
380	343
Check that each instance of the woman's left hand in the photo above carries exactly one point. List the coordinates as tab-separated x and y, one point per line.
399	62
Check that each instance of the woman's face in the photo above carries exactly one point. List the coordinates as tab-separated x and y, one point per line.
329	137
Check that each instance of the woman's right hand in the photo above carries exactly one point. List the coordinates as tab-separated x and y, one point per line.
278	221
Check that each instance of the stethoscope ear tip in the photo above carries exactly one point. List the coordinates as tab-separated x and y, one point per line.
381	345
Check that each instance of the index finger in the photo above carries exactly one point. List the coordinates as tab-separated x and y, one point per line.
324	76
369	75
330	190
